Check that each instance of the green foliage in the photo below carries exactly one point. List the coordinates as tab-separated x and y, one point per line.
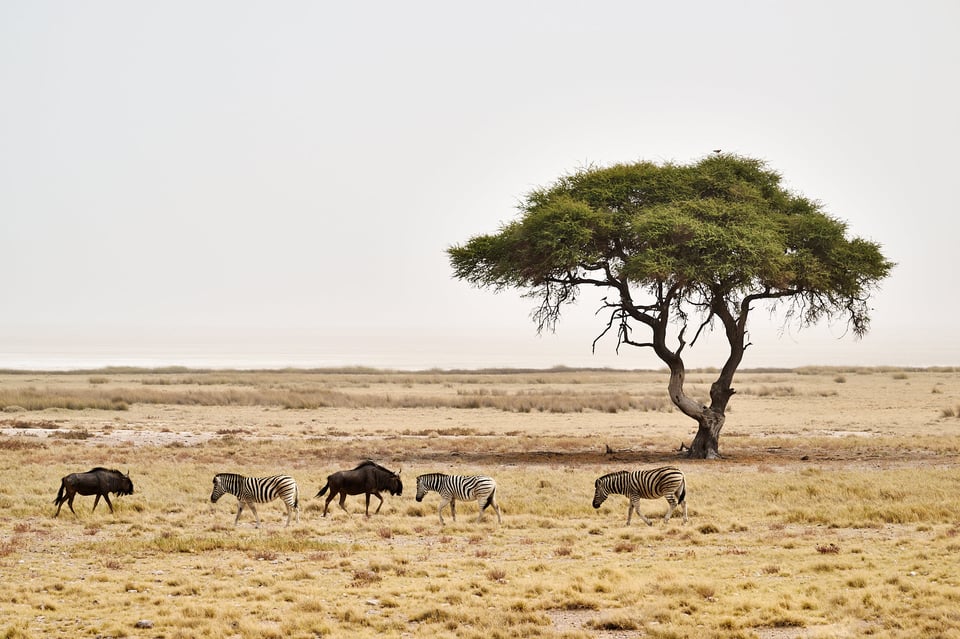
718	231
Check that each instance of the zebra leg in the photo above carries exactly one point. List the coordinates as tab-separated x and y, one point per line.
492	501
671	506
239	510
253	509
289	513
453	508
635	507
443	504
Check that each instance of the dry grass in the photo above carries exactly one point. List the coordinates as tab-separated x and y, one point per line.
834	513
520	392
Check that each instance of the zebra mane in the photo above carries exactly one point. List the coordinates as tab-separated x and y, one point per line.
614	474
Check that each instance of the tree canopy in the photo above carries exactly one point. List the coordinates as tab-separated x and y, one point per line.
676	244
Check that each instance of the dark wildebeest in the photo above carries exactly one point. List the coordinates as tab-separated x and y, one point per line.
369	478
97	481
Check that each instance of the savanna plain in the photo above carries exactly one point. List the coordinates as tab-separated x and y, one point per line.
835	511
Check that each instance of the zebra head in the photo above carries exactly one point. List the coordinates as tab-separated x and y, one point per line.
610	484
599	493
218	489
421	487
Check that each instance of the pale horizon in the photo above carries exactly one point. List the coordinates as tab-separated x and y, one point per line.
247	185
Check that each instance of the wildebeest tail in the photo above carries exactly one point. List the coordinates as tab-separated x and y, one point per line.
322	490
60	497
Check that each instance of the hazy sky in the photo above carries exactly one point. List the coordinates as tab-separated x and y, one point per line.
246	183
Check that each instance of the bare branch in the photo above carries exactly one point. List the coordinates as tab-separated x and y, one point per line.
613	316
705	323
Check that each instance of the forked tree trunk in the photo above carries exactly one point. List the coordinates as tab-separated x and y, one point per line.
710	419
706	444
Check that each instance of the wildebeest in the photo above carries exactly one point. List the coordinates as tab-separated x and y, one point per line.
368	478
97	481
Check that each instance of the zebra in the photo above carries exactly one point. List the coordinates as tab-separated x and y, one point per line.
454	487
667	482
257	490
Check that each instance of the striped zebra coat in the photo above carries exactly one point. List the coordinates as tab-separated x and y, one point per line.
454	487
257	490
667	482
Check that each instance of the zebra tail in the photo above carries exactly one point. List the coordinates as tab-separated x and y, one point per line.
683	493
489	500
322	490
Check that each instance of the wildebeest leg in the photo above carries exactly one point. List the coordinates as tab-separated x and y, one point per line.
70	500
106	498
343	499
326	506
366	510
381	503
96	500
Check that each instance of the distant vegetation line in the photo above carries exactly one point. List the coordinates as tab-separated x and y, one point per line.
366	370
33	399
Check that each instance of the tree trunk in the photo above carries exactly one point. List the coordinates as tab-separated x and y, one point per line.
706	444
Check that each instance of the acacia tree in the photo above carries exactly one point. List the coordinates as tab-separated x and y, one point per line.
681	249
